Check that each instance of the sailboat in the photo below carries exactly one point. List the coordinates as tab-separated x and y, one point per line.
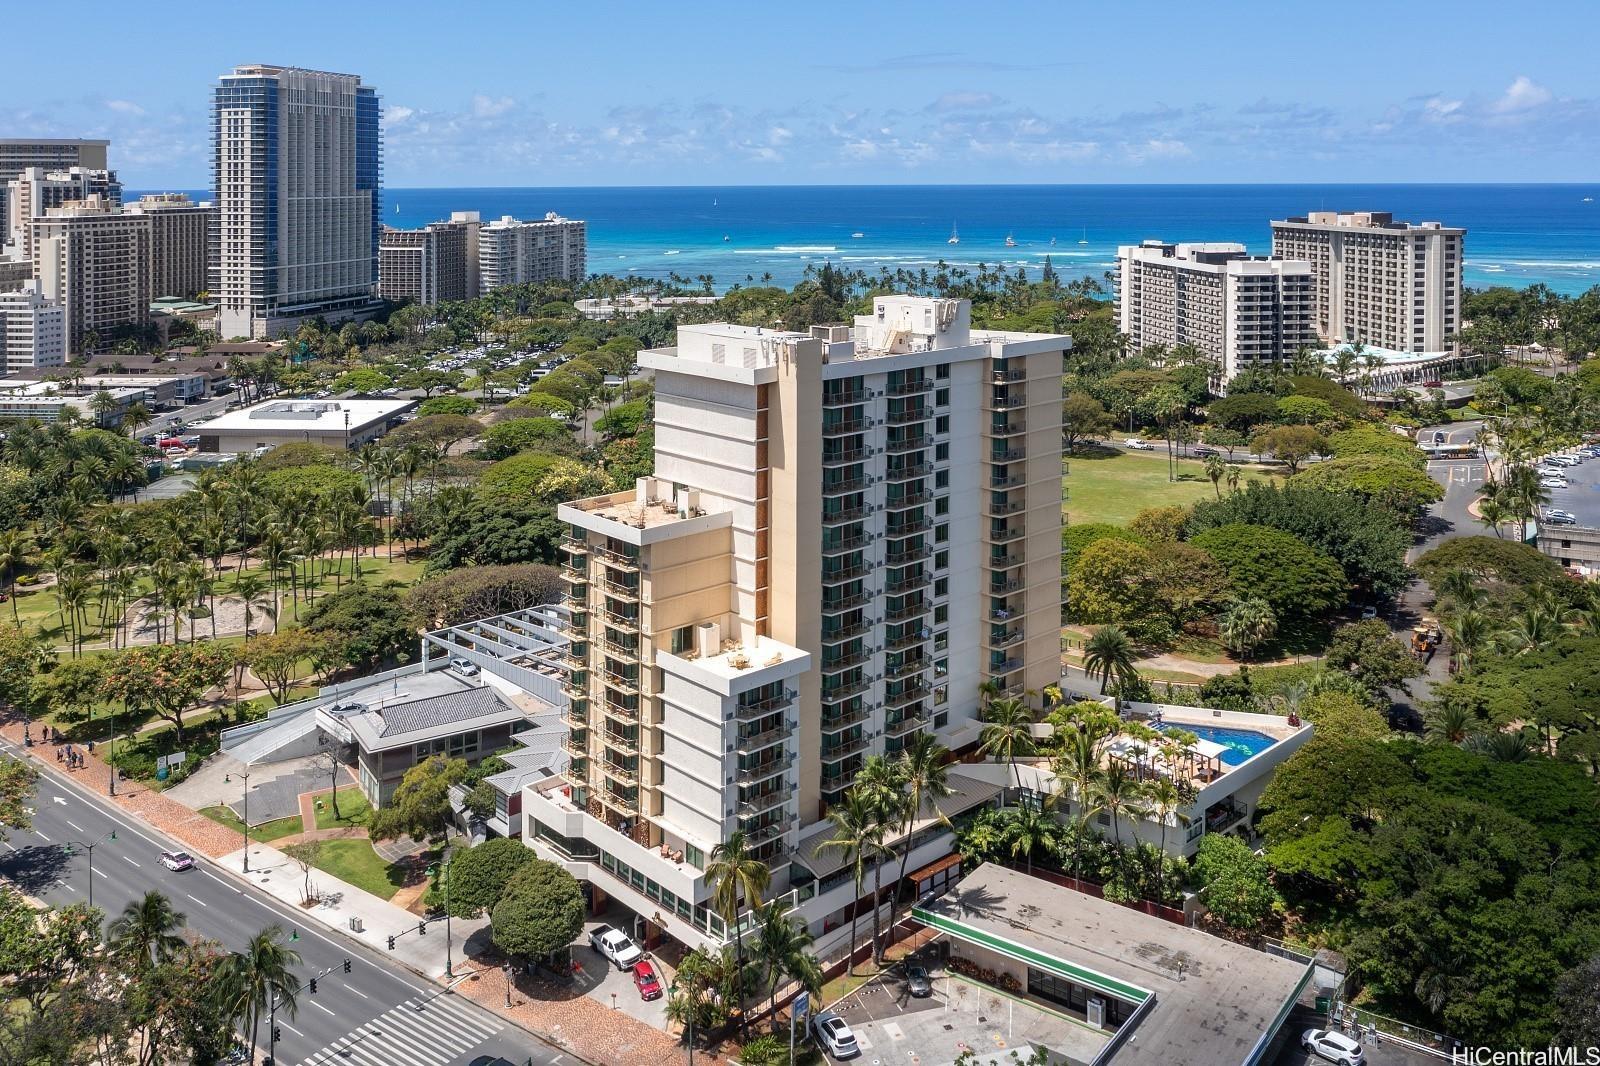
1085	238
1011	242
955	238
726	237
1052	242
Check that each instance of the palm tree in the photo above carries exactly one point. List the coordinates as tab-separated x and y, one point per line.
254	978
881	782
923	771
1469	631
1120	794
1108	655
782	949
1235	472
1216	469
252	592
1166	796
147	931
1247	624
14	548
1449	724
736	876
1492	514
1461	588
1080	766
1028	830
1008	732
859	834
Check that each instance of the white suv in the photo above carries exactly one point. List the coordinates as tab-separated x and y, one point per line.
834	1034
615	945
1335	1047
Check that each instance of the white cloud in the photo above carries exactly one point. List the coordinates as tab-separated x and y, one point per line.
487	107
395	114
1524	94
125	107
1438	109
965	101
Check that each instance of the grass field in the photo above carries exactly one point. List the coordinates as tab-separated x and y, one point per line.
1104	485
353	808
354	862
266	832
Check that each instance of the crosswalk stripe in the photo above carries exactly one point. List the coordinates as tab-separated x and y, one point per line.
440	1032
450	1016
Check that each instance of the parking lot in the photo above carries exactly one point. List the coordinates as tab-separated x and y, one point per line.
1581	495
960	1016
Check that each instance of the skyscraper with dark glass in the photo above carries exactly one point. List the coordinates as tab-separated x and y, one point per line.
297	177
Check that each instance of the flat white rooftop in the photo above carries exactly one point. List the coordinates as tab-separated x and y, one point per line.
310	416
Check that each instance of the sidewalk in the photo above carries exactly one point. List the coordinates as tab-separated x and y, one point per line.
278	875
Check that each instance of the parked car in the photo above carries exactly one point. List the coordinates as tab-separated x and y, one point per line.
1204	451
615	945
917	983
1553	482
1557	512
1138	445
177	860
1335	1047
1439	436
646	981
464	667
1559	520
834	1034
1368	613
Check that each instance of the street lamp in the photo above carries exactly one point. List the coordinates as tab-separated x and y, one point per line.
68	845
245	777
449	967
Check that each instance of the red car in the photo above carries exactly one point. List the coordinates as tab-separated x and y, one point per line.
645	979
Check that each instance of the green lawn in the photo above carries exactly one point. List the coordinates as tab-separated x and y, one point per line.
353	808
266	832
1107	486
354	862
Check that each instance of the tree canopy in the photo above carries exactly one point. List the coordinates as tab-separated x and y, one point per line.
540	912
1293	578
479	875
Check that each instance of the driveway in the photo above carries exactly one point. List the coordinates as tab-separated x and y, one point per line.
614	988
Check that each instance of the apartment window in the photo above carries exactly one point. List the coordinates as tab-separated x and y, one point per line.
941	560
682	639
941	614
941	505
941	424
941	719
941	452
694	856
941	397
941	479
941	533
942	372
941	587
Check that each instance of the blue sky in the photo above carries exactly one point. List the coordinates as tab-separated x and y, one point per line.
489	93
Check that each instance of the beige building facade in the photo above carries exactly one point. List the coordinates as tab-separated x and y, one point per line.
94	260
34	192
436	263
1388	284
179	243
17	154
847	532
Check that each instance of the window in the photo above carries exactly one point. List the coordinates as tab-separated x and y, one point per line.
941	424
941	452
941	397
941	614
941	505
941	479
941	560
942	371
941	587
941	719
941	533
694	856
682	640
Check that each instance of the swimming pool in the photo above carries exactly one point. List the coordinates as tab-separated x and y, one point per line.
1238	744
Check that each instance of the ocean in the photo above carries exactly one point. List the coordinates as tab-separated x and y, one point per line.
1516	234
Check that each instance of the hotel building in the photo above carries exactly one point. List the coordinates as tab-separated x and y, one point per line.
94	260
36	190
33	330
19	153
179	238
511	252
848	531
437	262
297	162
1387	284
1243	311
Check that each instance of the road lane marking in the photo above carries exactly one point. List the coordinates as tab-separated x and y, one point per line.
126	859
39	834
323	1009
358	991
74	825
293	1030
60	882
223	883
101	873
198	900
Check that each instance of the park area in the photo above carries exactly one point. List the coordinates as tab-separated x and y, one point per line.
1105	484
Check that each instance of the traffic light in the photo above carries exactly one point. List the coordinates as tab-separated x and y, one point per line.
277	1033
391	943
313	986
347	963
422	928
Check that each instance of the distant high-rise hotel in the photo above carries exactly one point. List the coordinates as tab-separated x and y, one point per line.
179	235
94	260
297	178
437	262
31	194
1243	311
51	154
1388	284
33	330
512	252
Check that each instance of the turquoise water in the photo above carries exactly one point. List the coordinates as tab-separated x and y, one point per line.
1517	234
1238	744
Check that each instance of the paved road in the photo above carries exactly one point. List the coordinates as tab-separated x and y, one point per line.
377	1015
187	413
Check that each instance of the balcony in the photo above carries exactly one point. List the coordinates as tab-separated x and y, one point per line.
840	780
906	724
844	427
628	564
909	668
910	388
574	656
1005	536
845	750
575	775
625	593
628	686
621	743
577	746
766	738
844	487
1001	668
575	575
621	651
1008	377
847	603
854	629
1004	562
577	714
628	805
1010	428
906	556
916	498
574	545
845	398
844	575
837	722
906	418
844	457
852	543
907	696
576	688
907	611
763	802
844	516
1015	503
1008	455
908	640
908	444
746	711
1005	403
910	528
628	623
1005	638
627	775
619	713
909	583
843	692
762	771
769	831
845	662
908	473
1005	587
